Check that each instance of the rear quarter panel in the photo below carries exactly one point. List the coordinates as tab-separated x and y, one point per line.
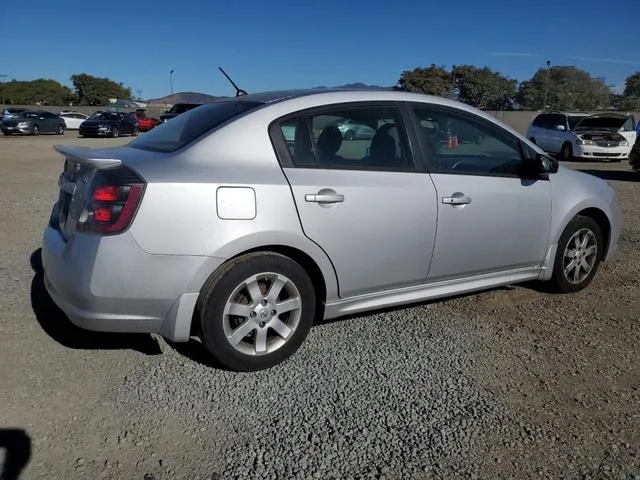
179	214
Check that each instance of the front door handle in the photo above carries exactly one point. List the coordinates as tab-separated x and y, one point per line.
324	197
456	199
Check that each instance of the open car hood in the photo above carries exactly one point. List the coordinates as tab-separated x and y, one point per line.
609	120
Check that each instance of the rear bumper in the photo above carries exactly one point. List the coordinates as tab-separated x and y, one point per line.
109	284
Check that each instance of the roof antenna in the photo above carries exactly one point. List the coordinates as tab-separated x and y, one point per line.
239	91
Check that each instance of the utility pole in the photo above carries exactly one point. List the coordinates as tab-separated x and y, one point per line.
546	86
2	75
171	81
453	82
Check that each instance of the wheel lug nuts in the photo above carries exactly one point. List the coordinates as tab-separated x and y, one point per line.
273	312
262	324
264	303
253	314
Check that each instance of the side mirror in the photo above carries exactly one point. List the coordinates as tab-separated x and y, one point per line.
547	164
560	128
538	166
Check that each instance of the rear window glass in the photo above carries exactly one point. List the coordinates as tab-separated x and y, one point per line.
187	127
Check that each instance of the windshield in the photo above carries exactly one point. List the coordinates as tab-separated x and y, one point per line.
106	116
191	125
574	119
27	114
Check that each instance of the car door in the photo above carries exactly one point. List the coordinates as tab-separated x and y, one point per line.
363	202
50	122
489	218
559	134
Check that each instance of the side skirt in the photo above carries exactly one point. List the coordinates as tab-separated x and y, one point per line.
425	292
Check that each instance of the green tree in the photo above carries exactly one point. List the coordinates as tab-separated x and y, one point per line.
42	91
569	89
630	98
433	80
98	90
483	88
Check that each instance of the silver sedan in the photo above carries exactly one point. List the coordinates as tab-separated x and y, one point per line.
244	220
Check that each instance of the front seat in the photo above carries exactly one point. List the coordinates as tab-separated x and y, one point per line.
383	148
329	142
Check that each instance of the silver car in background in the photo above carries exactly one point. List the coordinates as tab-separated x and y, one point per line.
219	226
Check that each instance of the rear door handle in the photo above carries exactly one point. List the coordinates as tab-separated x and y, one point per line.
324	197
456	199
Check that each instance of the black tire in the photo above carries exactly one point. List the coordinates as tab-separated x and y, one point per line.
115	132
60	130
560	280
135	131
349	135
219	289
566	152
36	130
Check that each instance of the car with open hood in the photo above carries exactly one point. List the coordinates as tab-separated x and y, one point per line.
109	124
596	136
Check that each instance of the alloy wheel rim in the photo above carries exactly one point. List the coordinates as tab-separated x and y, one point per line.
262	314
580	256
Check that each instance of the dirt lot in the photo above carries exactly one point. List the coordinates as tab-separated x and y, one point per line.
511	383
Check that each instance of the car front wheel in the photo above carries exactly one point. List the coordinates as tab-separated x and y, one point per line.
579	253
256	311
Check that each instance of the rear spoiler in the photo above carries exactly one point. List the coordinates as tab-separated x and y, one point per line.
86	156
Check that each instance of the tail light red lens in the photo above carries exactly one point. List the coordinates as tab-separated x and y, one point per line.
106	193
113	201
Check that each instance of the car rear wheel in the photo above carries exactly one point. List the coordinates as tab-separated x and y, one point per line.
60	130
115	132
349	135
36	130
256	311
566	152
579	254
135	131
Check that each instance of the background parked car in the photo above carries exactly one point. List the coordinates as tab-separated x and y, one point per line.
177	109
606	135
109	124
145	123
10	112
73	119
33	122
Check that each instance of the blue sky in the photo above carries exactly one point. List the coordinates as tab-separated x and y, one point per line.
273	44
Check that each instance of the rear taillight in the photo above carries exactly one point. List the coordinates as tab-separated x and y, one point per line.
113	200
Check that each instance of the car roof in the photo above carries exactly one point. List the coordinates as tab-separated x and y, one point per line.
330	95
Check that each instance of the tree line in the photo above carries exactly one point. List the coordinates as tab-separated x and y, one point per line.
87	90
556	88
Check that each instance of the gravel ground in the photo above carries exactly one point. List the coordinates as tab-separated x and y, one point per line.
510	383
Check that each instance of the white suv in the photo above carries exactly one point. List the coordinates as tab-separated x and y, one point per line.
607	135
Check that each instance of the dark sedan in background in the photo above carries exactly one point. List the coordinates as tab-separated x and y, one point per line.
177	109
33	122
109	124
